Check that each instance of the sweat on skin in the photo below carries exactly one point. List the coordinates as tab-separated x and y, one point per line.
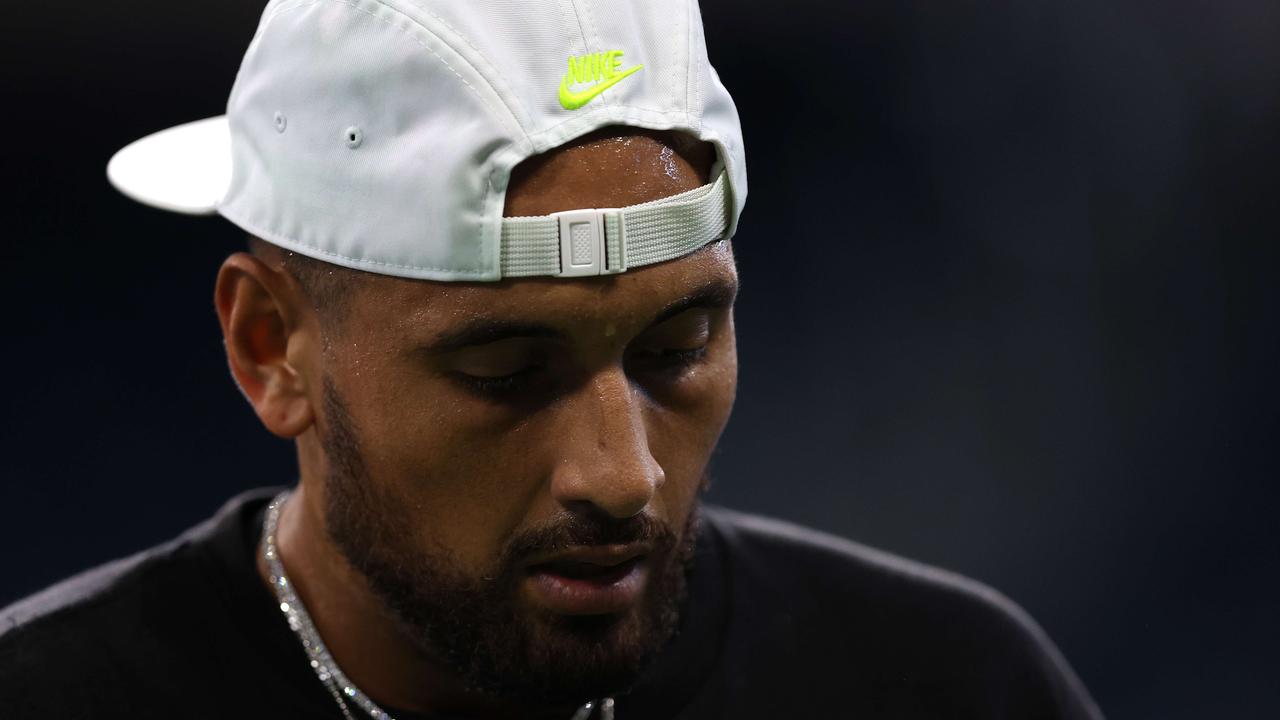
470	428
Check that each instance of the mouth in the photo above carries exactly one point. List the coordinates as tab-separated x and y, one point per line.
588	583
588	572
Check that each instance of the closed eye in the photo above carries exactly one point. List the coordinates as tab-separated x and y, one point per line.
495	386
671	360
667	363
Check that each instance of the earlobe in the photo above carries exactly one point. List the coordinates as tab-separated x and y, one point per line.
252	301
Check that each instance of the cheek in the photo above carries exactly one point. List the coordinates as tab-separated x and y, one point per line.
458	486
682	436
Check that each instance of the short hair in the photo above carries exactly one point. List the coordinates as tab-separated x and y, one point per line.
327	286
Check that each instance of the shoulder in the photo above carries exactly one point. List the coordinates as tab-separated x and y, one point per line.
926	633
100	635
70	630
80	594
98	589
804	568
762	547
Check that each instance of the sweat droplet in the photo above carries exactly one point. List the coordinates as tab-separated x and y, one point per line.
669	163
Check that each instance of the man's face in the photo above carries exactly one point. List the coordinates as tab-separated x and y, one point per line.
478	435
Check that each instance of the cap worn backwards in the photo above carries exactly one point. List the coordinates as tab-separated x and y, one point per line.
381	134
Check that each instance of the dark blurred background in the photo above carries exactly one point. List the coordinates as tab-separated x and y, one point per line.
1008	307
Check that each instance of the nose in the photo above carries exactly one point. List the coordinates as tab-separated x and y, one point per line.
604	463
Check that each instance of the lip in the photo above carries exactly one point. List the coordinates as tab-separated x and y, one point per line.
613	585
594	554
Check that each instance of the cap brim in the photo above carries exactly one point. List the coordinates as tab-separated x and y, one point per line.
184	169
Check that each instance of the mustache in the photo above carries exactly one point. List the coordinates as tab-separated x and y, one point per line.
583	530
579	529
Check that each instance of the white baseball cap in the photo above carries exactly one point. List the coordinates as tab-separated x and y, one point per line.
380	134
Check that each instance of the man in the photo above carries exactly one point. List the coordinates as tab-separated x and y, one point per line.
504	401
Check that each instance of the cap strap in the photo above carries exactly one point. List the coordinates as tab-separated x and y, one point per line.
610	240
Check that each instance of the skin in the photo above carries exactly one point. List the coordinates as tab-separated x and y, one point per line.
607	427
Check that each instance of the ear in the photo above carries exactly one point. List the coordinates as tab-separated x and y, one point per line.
257	308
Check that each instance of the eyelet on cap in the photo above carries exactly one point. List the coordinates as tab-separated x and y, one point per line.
281	121
354	136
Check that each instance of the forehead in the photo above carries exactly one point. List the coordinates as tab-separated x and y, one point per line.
414	309
612	167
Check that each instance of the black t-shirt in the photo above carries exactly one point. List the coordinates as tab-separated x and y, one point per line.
781	622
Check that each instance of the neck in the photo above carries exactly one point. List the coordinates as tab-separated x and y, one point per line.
363	637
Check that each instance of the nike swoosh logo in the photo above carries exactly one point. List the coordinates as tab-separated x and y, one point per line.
571	100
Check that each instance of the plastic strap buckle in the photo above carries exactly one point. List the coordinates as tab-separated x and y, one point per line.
584	246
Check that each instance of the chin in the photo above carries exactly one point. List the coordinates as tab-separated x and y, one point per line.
534	656
578	658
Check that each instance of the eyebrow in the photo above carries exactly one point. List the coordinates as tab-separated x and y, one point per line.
718	293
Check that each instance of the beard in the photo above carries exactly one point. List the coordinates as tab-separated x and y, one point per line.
472	622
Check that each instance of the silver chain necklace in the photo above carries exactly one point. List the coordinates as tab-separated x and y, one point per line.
325	667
